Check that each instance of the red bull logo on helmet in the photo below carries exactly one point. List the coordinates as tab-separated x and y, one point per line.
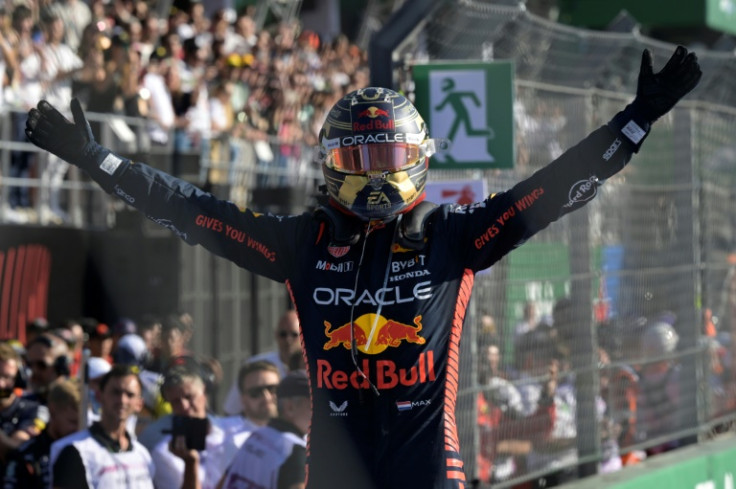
373	334
373	118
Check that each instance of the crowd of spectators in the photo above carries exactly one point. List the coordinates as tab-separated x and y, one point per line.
529	381
195	75
143	372
84	404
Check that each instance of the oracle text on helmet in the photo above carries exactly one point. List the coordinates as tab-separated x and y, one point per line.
383	137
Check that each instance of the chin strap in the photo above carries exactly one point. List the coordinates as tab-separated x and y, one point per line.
346	230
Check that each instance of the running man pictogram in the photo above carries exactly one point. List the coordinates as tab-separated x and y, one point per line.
456	100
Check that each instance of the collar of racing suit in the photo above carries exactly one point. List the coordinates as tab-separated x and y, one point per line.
346	230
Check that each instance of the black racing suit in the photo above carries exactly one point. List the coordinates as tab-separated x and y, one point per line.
407	307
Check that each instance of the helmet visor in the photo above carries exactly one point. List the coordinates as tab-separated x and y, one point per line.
376	157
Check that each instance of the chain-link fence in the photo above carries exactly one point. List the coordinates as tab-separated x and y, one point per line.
629	302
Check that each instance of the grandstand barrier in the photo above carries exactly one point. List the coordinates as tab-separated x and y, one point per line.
249	173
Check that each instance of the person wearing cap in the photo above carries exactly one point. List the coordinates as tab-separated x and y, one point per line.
96	368
28	466
132	350
99	339
274	457
659	406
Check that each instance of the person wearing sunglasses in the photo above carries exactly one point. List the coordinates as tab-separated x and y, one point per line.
257	382
274	456
380	277
48	358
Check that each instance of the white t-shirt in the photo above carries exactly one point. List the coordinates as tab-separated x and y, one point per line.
59	58
162	109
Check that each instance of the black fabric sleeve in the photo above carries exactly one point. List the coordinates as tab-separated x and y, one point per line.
293	470
68	470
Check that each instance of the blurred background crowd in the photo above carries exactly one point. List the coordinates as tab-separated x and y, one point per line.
201	74
53	386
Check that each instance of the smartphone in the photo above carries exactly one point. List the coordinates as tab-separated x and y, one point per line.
193	429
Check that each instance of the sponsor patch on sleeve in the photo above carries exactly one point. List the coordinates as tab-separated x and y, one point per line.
632	131
110	164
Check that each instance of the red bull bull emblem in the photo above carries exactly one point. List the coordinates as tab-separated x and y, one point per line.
373	112
372	339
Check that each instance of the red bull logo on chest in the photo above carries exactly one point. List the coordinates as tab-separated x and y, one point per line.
385	374
373	334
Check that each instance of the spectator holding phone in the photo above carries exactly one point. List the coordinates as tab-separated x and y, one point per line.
105	454
192	453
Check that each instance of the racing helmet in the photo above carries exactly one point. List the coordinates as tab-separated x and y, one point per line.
374	150
659	338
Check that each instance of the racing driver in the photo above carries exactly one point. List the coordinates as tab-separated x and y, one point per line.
380	278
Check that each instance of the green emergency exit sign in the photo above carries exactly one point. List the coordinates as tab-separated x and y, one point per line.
471	106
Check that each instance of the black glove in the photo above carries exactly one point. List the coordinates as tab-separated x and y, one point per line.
657	93
48	129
